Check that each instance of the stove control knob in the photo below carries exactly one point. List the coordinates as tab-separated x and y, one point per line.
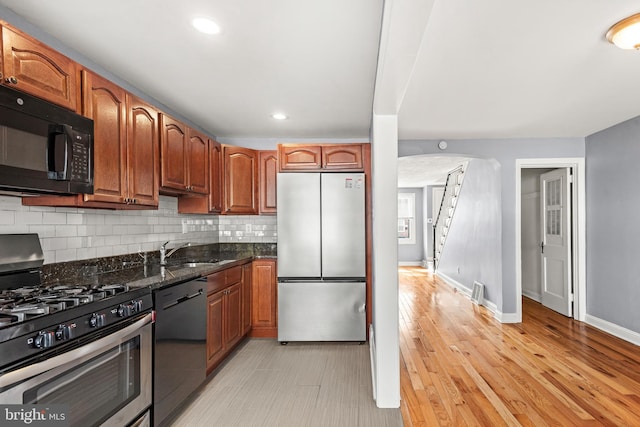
125	310
44	339
97	320
65	332
138	305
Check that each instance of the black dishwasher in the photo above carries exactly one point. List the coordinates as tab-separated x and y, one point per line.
180	352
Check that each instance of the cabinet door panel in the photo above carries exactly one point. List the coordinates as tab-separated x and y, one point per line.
142	152
241	176
264	296
198	162
215	190
268	176
233	315
173	154
246	298
304	157
215	327
104	102
343	157
39	70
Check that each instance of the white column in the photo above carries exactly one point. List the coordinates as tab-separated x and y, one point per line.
386	358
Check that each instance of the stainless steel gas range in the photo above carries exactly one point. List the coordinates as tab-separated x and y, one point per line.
88	348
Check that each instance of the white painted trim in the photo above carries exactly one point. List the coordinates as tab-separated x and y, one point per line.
372	358
579	229
386	306
410	263
489	305
532	295
454	283
508	317
613	329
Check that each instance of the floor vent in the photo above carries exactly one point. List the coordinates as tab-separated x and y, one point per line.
478	293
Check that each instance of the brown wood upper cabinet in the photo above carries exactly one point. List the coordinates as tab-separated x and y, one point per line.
240	189
35	68
126	153
343	157
215	189
184	156
143	154
125	148
299	157
268	173
211	203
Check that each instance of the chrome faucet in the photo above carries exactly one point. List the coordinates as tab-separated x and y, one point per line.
164	254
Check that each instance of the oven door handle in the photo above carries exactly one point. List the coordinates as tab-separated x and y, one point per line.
29	371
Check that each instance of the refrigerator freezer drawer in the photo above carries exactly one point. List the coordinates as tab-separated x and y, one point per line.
321	311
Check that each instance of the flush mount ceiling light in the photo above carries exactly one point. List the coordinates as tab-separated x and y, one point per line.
626	33
206	25
279	116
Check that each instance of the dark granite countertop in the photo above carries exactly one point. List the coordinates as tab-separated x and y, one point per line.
130	269
155	277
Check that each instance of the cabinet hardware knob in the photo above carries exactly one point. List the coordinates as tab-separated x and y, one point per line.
11	80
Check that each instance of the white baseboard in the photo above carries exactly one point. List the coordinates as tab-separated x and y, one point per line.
454	283
533	295
507	317
613	329
491	306
410	263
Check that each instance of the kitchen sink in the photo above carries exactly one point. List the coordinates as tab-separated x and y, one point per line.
196	264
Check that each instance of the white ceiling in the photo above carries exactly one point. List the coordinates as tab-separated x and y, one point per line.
510	69
420	171
451	69
313	60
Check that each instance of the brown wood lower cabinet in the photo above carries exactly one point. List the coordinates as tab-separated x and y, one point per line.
226	301
264	299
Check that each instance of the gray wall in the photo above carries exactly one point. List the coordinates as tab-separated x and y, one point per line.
472	250
505	151
613	229
428	228
414	252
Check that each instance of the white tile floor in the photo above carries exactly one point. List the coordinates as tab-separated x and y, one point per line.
300	384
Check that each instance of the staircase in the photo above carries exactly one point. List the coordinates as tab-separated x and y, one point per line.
447	208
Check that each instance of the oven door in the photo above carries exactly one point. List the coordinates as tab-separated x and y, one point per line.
104	382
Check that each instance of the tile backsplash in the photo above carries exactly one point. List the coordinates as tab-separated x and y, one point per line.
247	229
69	234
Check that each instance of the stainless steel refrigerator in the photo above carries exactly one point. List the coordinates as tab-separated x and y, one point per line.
321	257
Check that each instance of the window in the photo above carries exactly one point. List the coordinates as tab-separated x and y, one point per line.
406	218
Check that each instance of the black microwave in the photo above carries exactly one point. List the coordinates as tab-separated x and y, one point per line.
44	148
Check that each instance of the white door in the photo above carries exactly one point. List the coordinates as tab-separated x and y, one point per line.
557	290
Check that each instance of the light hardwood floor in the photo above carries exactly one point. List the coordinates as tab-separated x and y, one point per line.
300	384
459	366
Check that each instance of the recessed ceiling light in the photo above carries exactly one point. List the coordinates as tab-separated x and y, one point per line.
279	116
206	25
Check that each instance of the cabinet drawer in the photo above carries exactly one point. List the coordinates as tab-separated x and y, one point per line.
234	275
216	281
223	279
